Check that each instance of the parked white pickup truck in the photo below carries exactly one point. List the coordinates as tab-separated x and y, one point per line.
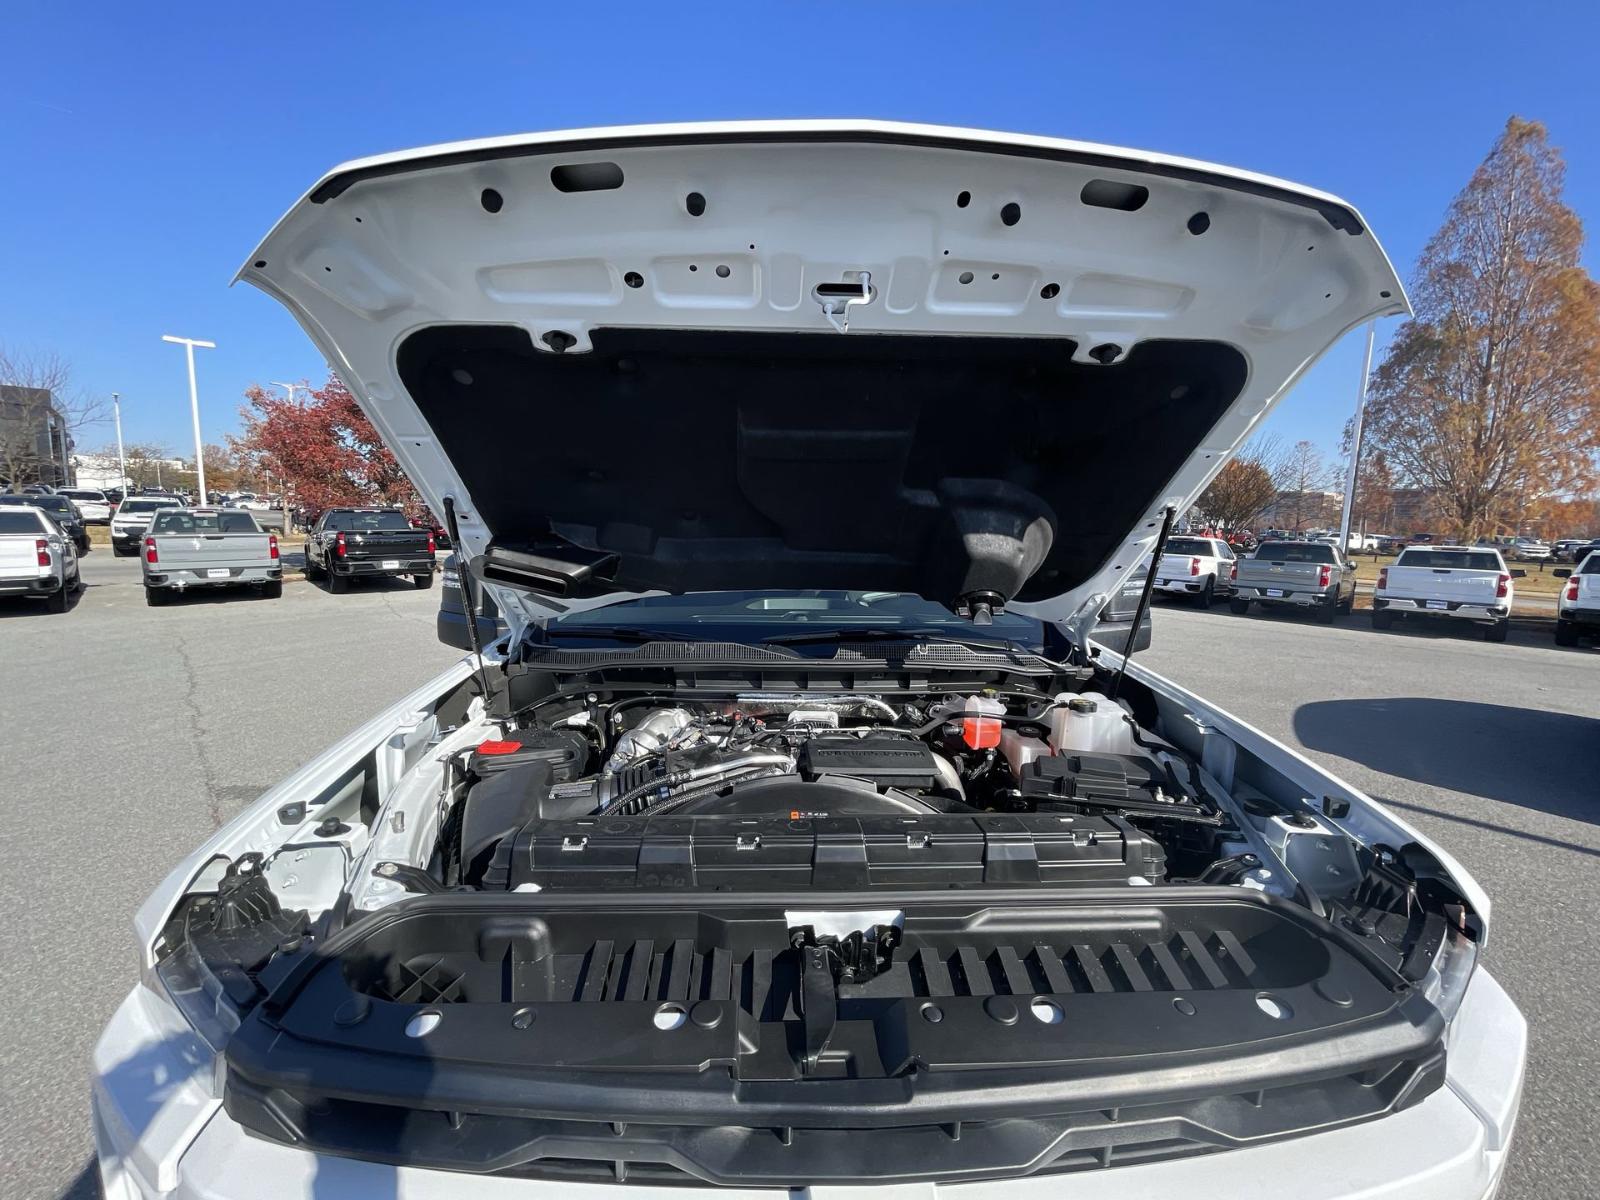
1466	583
36	557
1200	568
1578	606
673	894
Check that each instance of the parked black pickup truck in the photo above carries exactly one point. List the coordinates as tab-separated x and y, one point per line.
347	543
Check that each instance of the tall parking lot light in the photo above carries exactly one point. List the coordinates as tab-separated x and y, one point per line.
194	409
122	466
1355	448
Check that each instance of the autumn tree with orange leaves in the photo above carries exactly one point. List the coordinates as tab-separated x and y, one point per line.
1490	396
324	447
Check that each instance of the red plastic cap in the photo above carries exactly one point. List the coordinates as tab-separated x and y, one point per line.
981	733
494	747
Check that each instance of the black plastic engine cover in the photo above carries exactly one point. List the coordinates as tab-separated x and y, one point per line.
883	759
800	851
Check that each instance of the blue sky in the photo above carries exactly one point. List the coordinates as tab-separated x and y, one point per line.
143	155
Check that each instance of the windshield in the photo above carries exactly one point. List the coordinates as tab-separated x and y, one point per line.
78	494
1186	545
203	522
21	522
144	506
1305	552
758	616
54	504
1465	560
1591	564
361	522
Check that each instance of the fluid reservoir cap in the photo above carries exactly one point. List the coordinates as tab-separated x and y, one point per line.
1082	704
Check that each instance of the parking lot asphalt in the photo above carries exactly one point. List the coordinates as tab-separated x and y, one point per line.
131	732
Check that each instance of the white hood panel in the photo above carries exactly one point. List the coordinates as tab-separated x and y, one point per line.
731	227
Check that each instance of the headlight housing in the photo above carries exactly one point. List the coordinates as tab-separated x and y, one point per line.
1446	982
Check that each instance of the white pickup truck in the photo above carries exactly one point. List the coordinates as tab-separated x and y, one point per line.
1578	605
36	558
1464	583
1200	568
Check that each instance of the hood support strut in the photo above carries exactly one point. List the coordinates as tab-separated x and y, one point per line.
1144	597
468	600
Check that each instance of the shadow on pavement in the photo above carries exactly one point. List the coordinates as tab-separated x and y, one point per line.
85	1185
1540	760
26	606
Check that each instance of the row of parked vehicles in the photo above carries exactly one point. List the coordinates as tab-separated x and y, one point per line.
181	547
1463	583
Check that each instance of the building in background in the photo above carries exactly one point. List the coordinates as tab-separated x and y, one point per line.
97	471
1302	510
35	446
145	469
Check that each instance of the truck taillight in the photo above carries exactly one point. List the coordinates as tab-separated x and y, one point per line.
150	555
1194	566
272	546
1324	575
1233	572
338	546
1572	588
1383	578
1504	588
430	542
43	549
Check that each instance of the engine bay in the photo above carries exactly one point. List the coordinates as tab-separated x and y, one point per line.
763	791
673	883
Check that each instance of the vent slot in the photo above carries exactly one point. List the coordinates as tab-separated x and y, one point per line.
586	177
1109	193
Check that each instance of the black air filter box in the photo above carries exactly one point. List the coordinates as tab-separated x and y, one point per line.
565	751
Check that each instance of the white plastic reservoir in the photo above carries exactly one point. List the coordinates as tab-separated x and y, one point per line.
1089	723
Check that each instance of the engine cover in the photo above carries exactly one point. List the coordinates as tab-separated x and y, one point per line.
897	845
882	759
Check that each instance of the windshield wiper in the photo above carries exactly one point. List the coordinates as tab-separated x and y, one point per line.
935	636
617	633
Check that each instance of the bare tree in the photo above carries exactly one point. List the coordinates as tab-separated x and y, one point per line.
39	415
1303	477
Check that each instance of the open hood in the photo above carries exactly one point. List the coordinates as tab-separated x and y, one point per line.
819	354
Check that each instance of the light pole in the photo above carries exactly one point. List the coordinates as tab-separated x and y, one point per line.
122	466
194	408
291	388
1355	448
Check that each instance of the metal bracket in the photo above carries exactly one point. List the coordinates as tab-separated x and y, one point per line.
837	299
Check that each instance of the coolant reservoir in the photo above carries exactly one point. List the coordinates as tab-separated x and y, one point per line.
975	719
1089	723
1019	749
980	722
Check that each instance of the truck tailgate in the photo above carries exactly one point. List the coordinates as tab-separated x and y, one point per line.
387	543
1460	585
212	551
1265	573
19	556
